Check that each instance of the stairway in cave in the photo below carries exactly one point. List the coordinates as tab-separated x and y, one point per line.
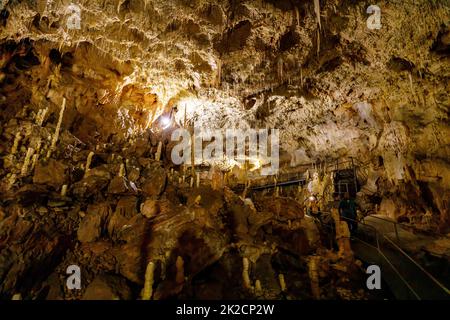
345	181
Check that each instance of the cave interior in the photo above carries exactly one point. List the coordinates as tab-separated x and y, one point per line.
209	149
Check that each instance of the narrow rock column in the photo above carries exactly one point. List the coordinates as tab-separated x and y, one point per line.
282	282
58	128
314	276
342	236
258	288
27	161
148	284
88	161
16	142
34	160
122	170
179	279
245	273
64	190
158	151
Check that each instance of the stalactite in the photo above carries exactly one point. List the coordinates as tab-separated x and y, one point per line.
317	11
301	77
280	68
318	43
219	73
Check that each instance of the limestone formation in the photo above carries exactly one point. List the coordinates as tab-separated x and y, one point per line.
89	170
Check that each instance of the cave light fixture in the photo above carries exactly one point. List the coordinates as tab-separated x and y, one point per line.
165	122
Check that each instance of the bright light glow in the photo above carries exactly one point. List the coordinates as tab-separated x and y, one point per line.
165	122
256	165
312	198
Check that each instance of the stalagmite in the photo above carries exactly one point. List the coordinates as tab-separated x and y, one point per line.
122	170
103	178
58	128
258	288
148	284
16	142
158	151
342	236
282	282
245	273
179	279
64	190
26	163
39	145
38	115
314	276
12	180
17	296
88	161
34	160
41	116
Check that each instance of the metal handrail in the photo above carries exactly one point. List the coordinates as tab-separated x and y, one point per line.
393	222
399	275
419	266
377	234
380	252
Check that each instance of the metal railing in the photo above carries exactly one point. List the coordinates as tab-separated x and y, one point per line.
390	221
379	250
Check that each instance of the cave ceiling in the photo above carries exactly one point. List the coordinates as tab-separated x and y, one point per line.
332	86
